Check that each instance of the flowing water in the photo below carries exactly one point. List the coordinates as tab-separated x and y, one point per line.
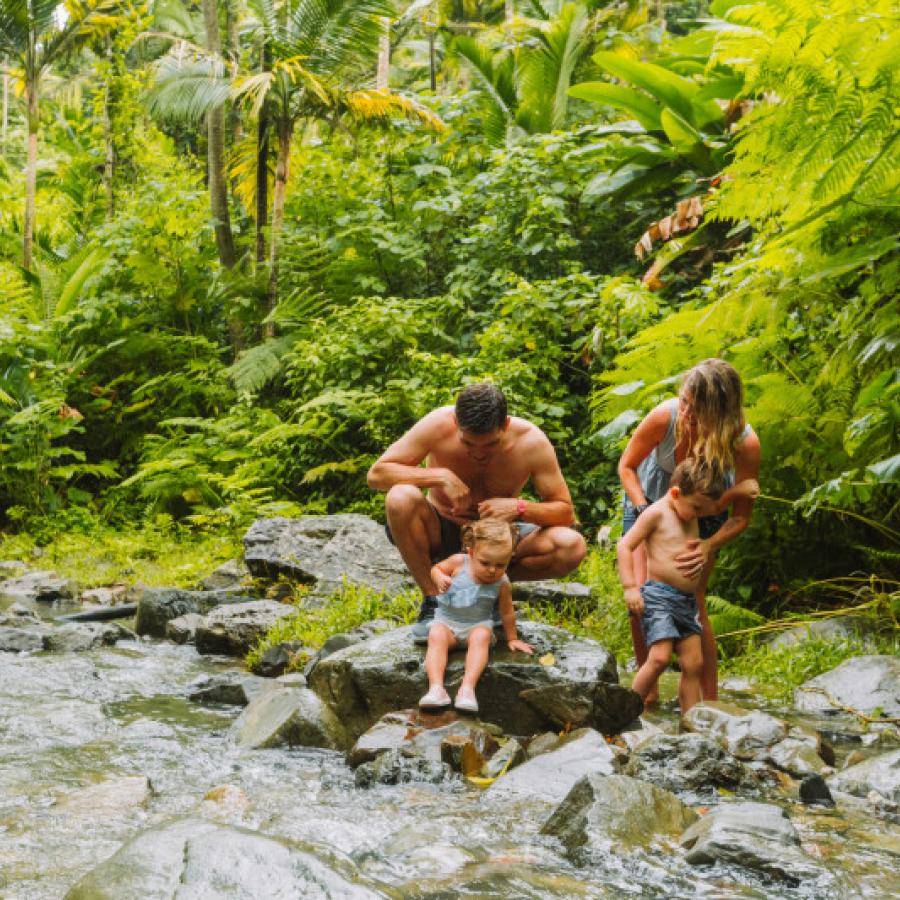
80	732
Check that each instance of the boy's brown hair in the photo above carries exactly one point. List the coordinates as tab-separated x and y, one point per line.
489	531
697	476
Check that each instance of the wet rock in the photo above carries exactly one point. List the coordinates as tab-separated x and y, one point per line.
419	733
348	638
234	629
550	776
385	673
183	630
798	756
158	606
198	859
614	810
109	797
10	568
836	628
638	732
276	660
42	587
21	640
508	755
16	616
756	836
399	767
608	708
880	774
324	550
293	717
863	683
747	734
555	592
543	743
77	637
686	762
231	688
814	790
460	753
105	596
230	575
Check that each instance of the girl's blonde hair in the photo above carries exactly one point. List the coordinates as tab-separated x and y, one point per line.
489	531
717	403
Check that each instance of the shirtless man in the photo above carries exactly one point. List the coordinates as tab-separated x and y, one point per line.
666	603
477	461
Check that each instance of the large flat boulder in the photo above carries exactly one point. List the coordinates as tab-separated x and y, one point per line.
385	673
550	776
880	774
158	606
863	683
324	551
288	717
606	811
199	859
235	628
757	836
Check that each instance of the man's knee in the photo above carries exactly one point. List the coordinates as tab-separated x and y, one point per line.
402	500
571	546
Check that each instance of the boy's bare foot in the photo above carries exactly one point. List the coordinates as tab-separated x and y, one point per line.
436	698
651	700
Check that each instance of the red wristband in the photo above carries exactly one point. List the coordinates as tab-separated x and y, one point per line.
520	507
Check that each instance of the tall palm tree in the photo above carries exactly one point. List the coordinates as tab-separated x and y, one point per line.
32	38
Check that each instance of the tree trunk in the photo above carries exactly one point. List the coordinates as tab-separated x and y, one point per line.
282	172
5	110
232	55
31	102
382	74
215	130
109	166
262	172
509	11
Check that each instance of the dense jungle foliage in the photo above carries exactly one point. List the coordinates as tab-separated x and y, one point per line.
244	245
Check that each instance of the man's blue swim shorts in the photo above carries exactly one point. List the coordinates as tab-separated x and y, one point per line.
669	614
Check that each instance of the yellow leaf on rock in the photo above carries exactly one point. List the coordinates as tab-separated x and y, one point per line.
548	659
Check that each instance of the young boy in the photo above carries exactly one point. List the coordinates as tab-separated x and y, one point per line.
666	601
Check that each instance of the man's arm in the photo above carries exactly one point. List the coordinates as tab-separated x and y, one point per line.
555	506
400	463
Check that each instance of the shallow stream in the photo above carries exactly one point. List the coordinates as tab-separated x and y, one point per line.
79	732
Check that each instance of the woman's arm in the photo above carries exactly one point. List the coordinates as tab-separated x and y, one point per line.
646	437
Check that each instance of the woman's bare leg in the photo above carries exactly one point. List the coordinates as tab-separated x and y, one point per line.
709	677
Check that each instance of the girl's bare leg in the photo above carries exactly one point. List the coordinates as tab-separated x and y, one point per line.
476	656
440	642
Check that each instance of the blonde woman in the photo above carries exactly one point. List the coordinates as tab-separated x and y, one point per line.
705	421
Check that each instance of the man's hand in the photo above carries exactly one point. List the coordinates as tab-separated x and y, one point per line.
457	492
693	559
520	646
441	579
634	601
506	508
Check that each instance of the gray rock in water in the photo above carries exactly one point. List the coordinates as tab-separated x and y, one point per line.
21	640
234	629
231	688
798	755
863	683
160	605
229	576
42	587
385	673
16	616
183	630
542	743
323	551
550	776
606	707
603	811
748	734
276	660
686	762
76	637
420	734
399	767
835	628
198	859
293	717
756	836
880	774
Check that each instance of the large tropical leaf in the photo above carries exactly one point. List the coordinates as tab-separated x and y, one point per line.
187	89
643	108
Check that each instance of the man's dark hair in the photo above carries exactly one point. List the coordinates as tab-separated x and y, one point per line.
696	476
481	408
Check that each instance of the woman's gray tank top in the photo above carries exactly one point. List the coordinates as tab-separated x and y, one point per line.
655	470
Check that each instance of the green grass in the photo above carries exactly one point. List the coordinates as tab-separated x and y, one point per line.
353	605
157	555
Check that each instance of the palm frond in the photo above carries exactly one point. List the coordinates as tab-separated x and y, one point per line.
387	104
186	90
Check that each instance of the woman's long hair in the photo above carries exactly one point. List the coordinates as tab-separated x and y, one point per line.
716	395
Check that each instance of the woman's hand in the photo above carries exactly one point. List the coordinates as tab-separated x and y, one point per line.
693	559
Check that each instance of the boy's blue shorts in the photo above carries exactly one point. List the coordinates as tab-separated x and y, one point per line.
669	614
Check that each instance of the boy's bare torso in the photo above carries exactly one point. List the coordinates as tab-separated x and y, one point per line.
665	542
